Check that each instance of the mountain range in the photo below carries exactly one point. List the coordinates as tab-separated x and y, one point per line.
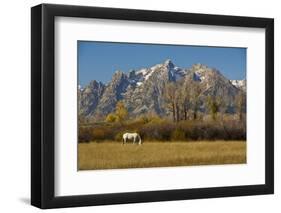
144	91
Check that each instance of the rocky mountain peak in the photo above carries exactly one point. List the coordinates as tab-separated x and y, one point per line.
199	66
94	86
169	64
132	74
240	84
143	90
200	72
89	97
119	75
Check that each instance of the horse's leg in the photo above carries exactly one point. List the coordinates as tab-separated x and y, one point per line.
124	140
139	139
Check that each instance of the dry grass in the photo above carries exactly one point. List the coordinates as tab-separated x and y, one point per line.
112	155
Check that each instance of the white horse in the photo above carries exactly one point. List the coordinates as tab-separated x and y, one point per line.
129	136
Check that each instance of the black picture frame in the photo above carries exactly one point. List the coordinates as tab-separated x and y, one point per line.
43	102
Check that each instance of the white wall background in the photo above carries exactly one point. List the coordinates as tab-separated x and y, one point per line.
15	105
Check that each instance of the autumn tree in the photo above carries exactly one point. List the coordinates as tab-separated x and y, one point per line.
240	102
119	115
121	112
185	100
213	106
178	100
195	98
111	117
170	98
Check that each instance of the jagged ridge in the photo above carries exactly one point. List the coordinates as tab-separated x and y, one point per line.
143	90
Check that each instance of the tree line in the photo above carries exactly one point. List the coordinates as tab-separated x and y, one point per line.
183	99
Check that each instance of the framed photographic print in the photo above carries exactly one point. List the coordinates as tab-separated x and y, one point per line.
139	106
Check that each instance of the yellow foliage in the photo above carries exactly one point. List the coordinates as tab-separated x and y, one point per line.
111	118
121	111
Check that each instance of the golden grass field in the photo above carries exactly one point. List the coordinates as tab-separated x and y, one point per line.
113	155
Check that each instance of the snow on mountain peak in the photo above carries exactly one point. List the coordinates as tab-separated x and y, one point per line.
145	73
80	87
175	72
238	83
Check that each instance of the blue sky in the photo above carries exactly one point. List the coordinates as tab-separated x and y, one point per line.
99	60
